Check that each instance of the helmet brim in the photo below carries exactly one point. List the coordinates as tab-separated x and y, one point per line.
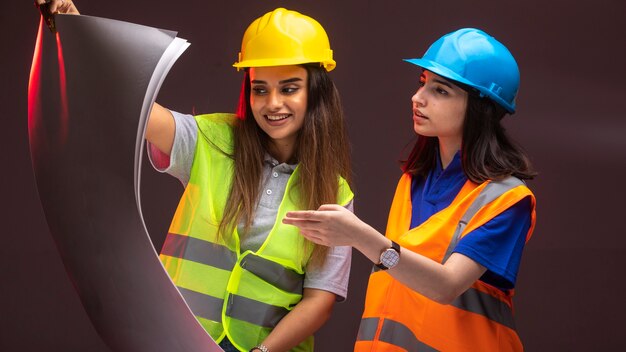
329	65
449	74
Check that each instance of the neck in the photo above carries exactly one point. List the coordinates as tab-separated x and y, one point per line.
284	153
447	150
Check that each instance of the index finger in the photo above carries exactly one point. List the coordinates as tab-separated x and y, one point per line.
302	214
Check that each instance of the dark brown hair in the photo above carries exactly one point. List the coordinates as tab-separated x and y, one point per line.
322	151
487	152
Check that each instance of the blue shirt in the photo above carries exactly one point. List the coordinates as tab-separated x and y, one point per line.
497	245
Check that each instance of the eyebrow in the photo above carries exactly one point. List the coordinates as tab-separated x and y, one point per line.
445	83
290	80
440	81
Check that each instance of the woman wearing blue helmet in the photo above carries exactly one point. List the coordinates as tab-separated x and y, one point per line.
446	268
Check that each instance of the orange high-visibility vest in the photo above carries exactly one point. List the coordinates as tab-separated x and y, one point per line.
397	318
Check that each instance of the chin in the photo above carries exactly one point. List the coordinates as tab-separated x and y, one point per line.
418	129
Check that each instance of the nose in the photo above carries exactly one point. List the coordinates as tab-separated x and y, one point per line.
274	100
418	97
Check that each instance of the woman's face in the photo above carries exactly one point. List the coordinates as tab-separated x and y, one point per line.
439	108
278	98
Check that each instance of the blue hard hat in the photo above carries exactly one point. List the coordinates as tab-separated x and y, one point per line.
476	59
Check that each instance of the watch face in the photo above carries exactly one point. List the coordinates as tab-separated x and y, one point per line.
389	258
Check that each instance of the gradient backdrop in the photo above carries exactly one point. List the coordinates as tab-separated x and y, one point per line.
572	58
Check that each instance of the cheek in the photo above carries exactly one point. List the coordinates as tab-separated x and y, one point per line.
460	121
301	100
459	112
299	103
302	108
255	106
253	102
452	121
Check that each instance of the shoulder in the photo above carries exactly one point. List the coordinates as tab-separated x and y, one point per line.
216	120
491	198
217	129
510	187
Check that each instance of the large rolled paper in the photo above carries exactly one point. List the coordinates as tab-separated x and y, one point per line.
91	88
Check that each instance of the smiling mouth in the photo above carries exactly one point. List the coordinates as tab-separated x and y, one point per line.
277	117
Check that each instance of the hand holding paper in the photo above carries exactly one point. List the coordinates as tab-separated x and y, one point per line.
49	8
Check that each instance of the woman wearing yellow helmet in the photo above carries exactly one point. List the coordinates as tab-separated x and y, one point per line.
445	270
252	282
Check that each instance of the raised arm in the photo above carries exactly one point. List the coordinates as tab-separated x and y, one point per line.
161	128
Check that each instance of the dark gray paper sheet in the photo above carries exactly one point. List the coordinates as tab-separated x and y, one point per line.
91	89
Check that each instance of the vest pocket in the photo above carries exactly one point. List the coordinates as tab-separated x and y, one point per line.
273	273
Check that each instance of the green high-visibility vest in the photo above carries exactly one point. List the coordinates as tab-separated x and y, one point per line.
242	295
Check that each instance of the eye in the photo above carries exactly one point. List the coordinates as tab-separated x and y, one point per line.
259	90
290	89
441	91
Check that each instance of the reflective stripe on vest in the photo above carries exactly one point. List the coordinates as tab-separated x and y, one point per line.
274	273
218	256
242	295
480	299
238	307
254	312
491	191
392	332
199	251
203	306
478	302
486	305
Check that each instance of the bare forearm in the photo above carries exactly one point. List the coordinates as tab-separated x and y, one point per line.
439	282
331	225
306	318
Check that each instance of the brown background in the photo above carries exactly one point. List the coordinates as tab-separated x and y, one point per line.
572	57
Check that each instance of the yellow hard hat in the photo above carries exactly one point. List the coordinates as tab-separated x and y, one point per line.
284	37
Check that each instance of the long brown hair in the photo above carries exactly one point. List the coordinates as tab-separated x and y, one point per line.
322	151
487	152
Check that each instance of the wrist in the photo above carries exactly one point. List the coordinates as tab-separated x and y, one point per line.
260	348
372	243
389	257
365	238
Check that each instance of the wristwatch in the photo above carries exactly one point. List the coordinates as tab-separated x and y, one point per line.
389	257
